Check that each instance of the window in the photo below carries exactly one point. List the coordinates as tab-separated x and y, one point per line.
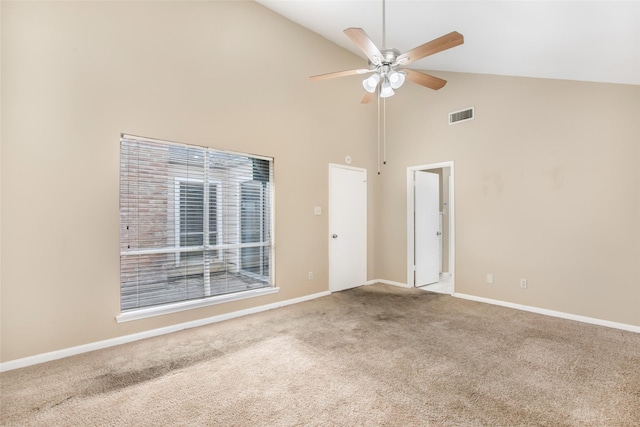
195	223
191	209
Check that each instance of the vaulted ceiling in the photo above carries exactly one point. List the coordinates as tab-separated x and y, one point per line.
575	40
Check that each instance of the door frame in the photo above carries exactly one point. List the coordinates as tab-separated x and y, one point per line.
411	278
329	209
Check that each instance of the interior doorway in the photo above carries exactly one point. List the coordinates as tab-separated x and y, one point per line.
427	224
347	227
420	243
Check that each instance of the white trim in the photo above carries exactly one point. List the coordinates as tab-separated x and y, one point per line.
160	310
552	313
272	223
388	282
410	223
72	351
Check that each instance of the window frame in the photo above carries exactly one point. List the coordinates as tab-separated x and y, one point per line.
239	237
142	312
177	217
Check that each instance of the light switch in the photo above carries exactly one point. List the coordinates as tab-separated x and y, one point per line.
317	210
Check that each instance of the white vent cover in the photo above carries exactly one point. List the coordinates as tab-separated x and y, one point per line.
461	116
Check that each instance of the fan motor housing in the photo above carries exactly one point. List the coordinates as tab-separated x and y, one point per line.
388	56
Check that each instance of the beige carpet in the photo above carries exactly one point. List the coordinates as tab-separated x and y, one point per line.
376	355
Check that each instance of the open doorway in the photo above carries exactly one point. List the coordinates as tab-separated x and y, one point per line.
430	227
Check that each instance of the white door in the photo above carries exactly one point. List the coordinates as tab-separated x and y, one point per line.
347	227
427	227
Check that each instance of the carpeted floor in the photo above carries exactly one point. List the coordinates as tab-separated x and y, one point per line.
376	355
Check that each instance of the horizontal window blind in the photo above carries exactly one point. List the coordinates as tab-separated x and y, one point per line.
194	222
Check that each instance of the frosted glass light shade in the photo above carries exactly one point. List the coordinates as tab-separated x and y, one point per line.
396	79
370	83
386	90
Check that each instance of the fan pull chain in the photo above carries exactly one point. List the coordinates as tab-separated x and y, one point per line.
384	134
378	129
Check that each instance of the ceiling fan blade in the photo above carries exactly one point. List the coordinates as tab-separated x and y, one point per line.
424	79
363	41
340	74
434	46
368	97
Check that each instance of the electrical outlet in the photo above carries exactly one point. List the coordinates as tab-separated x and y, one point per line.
311	275
523	283
489	278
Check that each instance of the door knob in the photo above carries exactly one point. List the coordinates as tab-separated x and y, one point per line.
438	233
335	236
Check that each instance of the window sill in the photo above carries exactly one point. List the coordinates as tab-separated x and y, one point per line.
144	313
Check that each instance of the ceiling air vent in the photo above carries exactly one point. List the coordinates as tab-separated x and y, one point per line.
461	116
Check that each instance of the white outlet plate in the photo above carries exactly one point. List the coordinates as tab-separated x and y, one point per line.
311	275
489	278
523	283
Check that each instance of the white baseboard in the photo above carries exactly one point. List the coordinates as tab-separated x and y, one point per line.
59	354
388	282
552	313
72	351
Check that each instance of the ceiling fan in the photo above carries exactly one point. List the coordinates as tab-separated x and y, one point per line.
387	65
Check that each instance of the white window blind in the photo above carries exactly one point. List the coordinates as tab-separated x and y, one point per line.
194	222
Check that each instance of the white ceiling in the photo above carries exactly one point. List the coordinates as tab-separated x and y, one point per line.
574	40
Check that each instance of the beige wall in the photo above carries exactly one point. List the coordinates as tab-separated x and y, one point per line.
546	188
547	181
231	75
